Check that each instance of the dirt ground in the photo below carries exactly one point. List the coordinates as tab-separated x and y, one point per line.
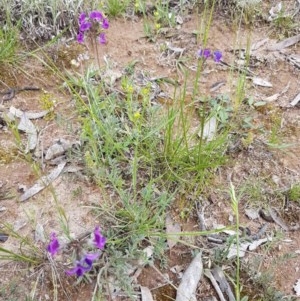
278	169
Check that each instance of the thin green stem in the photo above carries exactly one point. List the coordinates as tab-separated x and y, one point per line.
237	240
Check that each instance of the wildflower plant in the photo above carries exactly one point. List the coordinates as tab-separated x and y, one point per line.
93	26
86	253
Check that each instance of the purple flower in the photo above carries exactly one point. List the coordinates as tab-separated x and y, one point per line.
81	18
99	240
105	24
217	56
102	38
53	246
90	258
80	37
79	269
84	265
205	53
96	15
85	26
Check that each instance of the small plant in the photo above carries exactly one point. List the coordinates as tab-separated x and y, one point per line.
8	46
284	24
116	7
89	25
85	254
48	103
294	193
93	26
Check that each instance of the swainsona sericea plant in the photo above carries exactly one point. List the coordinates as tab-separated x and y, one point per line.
207	53
85	260
93	23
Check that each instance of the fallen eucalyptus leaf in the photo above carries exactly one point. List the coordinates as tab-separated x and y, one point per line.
261	82
209	129
251	213
278	220
210	276
233	251
255	46
285	43
219	276
259	103
172	230
271	98
176	50
28	127
19	224
30	115
295	101
187	288
256	243
146	294
58	149
42	183
39	234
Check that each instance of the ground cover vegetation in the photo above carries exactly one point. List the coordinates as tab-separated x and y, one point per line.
182	169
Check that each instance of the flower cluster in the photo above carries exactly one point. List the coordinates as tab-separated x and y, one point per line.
90	23
207	53
86	261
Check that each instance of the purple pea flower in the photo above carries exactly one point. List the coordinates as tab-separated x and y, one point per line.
102	38
205	53
80	37
81	18
90	258
79	269
85	26
96	15
84	265
105	24
99	240
53	246
217	56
